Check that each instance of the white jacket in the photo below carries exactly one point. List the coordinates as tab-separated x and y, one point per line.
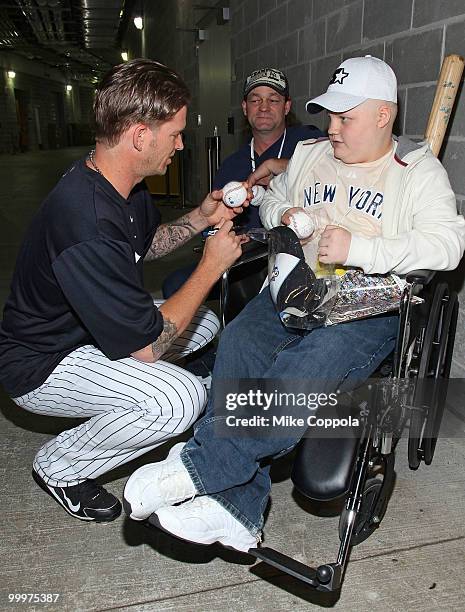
420	227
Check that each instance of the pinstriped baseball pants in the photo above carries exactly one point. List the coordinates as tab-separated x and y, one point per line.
133	406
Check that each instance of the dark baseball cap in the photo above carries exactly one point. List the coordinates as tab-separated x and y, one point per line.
270	77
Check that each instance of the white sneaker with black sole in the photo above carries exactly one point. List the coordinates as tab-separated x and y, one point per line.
158	484
204	521
87	501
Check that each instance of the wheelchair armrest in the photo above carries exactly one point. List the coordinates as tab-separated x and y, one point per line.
420	277
250	252
323	468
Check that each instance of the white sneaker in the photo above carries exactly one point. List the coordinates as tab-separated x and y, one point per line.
204	521
158	484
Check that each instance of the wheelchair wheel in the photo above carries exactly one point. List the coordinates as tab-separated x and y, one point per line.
364	525
434	366
445	350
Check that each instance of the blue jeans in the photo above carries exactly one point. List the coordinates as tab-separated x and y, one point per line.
257	345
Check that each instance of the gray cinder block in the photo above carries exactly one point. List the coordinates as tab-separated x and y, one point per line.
299	14
417	58
277	23
344	28
312	42
385	17
287	52
455	37
453	159
429	11
418	107
265	6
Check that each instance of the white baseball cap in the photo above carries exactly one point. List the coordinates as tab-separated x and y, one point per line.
356	80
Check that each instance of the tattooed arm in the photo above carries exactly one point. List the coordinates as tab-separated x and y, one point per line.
169	236
221	251
165	339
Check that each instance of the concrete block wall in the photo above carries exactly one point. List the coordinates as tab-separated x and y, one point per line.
309	38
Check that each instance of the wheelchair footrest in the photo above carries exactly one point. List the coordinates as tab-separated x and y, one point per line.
325	578
286	564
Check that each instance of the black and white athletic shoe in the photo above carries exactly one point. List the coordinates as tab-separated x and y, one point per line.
87	501
201	365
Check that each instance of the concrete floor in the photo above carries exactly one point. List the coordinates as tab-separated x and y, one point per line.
415	561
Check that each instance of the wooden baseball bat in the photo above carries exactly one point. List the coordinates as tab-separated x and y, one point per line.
443	103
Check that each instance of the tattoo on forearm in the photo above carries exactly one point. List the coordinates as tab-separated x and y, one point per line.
169	236
165	339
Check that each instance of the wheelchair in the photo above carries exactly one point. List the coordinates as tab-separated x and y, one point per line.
360	468
410	393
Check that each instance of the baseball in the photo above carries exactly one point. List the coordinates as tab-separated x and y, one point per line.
234	194
258	193
302	224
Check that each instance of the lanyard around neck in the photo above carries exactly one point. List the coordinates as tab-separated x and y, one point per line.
252	151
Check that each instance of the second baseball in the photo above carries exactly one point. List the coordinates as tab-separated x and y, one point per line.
234	194
258	193
302	224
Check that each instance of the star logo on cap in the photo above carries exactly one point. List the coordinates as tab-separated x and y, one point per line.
339	76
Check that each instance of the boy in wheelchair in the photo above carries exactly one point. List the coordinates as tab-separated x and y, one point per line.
390	208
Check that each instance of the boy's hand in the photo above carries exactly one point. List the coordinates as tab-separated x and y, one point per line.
334	245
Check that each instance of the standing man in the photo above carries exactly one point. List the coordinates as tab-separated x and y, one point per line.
266	104
80	336
403	217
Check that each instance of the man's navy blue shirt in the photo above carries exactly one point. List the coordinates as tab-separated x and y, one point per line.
238	166
78	280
